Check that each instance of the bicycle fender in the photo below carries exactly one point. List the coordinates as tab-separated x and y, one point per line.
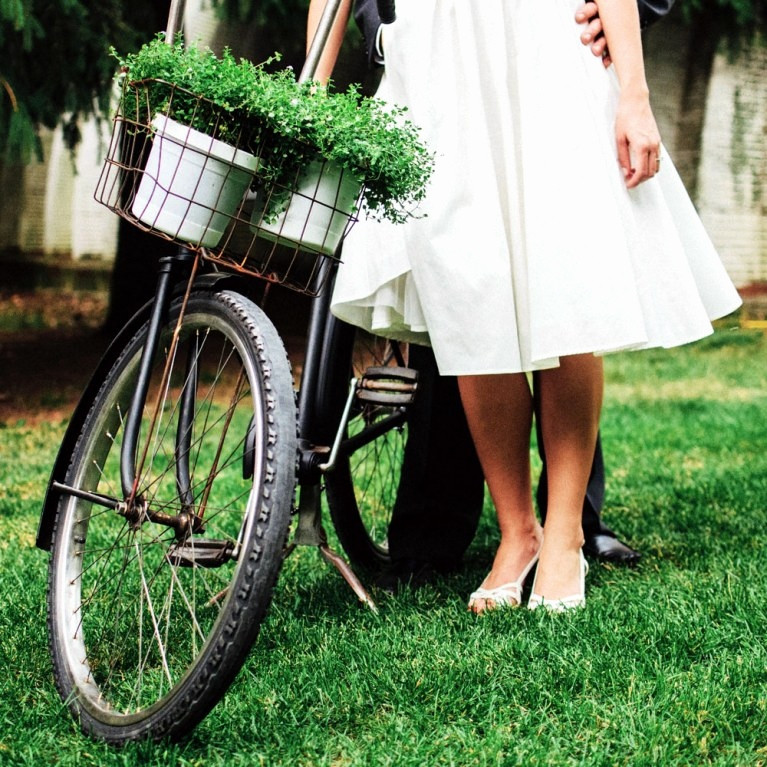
44	536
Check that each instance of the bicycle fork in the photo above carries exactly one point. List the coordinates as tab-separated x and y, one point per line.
132	506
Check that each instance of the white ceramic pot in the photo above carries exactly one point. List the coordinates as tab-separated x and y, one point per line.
317	213
192	184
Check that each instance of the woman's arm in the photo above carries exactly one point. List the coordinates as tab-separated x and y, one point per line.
636	131
328	60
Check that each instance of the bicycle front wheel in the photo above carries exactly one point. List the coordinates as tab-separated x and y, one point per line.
155	599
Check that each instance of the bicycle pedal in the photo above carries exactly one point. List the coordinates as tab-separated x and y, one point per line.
200	552
388	385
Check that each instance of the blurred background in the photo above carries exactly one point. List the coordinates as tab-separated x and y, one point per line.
69	265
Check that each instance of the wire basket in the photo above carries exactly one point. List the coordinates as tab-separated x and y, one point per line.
222	191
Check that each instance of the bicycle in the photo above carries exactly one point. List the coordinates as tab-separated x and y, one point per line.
169	505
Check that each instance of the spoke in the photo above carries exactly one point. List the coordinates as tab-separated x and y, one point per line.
187	602
207	400
103	478
103	553
170	602
111	609
149	486
100	580
140	669
120	639
224	358
153	617
161	435
127	547
224	432
158	432
143	656
373	483
235	506
233	455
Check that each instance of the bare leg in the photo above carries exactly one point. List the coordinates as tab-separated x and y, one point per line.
571	399
499	413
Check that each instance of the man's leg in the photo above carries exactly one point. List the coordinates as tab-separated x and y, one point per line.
441	490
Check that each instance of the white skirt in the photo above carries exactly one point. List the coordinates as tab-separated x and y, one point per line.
530	246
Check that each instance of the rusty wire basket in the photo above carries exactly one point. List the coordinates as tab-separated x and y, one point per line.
222	191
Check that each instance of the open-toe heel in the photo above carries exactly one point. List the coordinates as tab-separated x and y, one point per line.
572	602
507	595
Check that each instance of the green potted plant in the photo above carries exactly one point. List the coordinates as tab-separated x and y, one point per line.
305	137
329	148
201	161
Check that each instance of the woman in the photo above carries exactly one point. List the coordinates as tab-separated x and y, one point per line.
537	147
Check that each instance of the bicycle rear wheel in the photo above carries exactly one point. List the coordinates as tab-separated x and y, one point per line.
155	602
362	489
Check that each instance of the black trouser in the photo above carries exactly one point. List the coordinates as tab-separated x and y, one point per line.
442	488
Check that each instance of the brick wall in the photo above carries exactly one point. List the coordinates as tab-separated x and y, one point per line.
732	166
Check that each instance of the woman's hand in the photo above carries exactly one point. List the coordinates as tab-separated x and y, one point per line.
637	137
636	132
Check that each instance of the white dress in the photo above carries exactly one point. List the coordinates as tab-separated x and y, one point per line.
531	248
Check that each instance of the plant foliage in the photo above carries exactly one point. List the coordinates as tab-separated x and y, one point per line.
56	65
296	122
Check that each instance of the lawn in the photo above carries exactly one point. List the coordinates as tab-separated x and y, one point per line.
667	665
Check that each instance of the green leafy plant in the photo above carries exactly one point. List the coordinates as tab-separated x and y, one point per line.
367	137
55	68
190	85
293	123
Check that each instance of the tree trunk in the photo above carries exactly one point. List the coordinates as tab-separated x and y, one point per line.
705	36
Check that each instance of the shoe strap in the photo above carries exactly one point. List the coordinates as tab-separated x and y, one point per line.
566	603
557	605
500	594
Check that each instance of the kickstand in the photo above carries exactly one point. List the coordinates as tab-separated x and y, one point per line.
311	533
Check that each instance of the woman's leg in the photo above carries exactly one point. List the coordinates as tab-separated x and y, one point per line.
499	412
570	402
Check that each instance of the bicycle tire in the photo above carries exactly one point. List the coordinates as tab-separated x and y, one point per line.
145	633
362	488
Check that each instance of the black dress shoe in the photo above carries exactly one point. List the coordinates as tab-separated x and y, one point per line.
406	572
609	549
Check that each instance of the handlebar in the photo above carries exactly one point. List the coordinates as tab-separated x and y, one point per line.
386	11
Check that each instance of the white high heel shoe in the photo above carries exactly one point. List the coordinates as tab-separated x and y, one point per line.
507	595
572	602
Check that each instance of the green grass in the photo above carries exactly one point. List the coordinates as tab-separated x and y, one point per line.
666	666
